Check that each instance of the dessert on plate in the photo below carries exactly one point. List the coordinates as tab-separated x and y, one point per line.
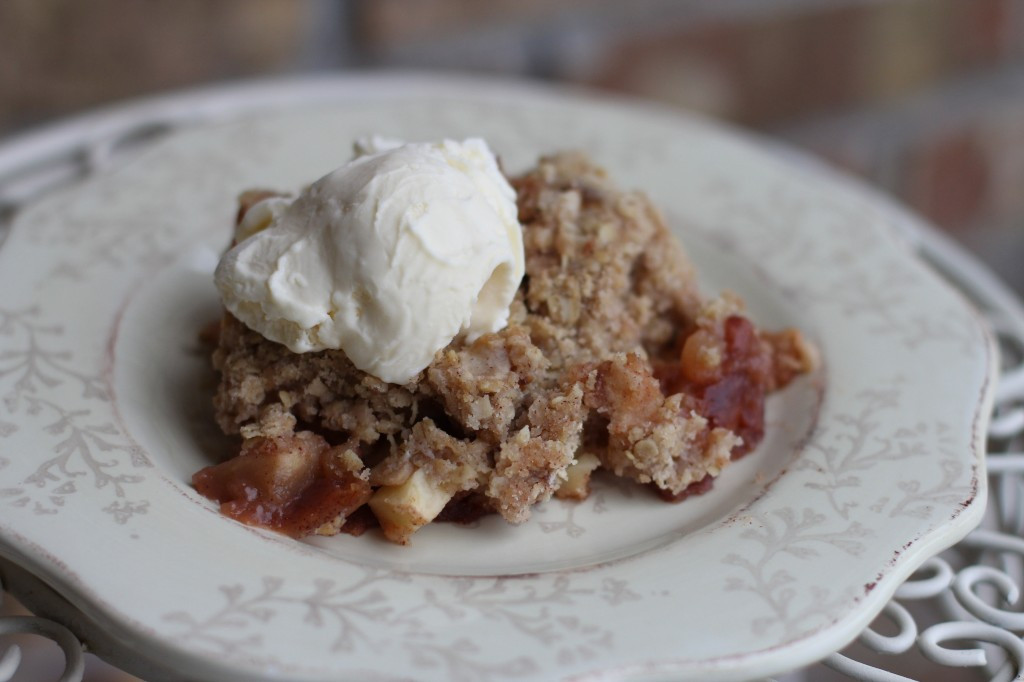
414	338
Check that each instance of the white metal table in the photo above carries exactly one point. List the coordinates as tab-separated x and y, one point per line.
965	595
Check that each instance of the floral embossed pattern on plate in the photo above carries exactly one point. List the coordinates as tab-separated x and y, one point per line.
869	466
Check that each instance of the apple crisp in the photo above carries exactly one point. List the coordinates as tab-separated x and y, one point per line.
612	360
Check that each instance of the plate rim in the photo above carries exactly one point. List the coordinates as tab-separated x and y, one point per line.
922	548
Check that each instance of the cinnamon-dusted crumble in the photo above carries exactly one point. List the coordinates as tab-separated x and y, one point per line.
611	359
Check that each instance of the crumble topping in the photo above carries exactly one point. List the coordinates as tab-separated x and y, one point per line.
611	360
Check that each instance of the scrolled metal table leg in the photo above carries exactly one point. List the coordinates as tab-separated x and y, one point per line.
10	659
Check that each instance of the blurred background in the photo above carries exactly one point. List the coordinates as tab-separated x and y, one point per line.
922	98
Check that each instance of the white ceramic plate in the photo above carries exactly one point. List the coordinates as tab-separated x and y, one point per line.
868	468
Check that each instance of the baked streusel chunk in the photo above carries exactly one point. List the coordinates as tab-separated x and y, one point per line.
611	360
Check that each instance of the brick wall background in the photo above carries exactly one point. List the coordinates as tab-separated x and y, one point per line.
923	98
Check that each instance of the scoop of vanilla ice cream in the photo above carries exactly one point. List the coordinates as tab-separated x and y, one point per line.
388	258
